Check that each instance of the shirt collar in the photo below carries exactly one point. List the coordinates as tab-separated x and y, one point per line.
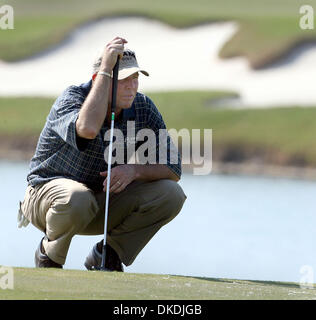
128	114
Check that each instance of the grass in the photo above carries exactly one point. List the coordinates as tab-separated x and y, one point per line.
267	28
52	284
20	116
276	36
283	132
288	131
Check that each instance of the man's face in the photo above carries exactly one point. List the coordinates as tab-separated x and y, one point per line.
126	91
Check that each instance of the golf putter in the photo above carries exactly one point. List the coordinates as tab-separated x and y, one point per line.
113	106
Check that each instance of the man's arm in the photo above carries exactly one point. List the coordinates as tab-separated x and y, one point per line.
154	172
123	175
93	111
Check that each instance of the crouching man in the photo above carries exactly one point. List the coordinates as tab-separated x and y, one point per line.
67	179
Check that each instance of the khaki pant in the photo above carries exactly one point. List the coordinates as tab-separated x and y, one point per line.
63	208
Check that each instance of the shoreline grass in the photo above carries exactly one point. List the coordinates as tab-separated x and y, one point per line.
281	136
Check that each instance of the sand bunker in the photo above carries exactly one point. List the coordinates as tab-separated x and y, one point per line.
177	59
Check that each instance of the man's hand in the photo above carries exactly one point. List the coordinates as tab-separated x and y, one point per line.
121	176
111	51
93	111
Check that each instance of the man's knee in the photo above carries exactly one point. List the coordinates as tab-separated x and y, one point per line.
174	196
77	206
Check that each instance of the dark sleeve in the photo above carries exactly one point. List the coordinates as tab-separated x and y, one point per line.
169	154
82	143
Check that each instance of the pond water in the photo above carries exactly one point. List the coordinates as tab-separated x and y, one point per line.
230	227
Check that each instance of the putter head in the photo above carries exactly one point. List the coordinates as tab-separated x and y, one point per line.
96	261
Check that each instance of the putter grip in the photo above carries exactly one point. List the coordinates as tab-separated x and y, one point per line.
114	84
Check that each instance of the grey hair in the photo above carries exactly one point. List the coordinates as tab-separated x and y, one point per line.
97	63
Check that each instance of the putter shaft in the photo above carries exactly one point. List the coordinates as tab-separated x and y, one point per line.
113	107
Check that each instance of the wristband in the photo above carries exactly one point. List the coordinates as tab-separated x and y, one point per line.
105	74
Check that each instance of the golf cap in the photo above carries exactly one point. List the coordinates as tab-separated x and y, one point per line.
128	65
